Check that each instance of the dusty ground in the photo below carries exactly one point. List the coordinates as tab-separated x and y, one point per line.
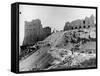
65	51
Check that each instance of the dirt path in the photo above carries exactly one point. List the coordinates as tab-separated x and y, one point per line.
30	62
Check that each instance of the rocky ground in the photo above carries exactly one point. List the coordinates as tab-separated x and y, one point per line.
63	50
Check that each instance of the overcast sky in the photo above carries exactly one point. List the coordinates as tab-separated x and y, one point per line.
55	17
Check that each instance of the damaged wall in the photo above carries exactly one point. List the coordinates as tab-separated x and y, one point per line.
80	24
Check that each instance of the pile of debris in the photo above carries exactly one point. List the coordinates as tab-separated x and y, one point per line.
62	50
74	57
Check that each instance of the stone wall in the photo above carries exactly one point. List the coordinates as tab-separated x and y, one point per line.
88	22
34	32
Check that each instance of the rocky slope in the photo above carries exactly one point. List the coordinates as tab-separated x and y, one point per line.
66	49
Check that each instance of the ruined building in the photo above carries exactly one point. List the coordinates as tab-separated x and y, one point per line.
80	24
34	32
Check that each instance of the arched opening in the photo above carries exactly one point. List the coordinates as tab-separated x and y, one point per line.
79	27
84	26
90	52
88	26
83	21
75	27
72	28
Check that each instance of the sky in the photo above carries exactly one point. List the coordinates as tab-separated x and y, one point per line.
54	17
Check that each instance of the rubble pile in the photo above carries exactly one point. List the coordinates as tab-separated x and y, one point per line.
65	50
76	55
73	47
